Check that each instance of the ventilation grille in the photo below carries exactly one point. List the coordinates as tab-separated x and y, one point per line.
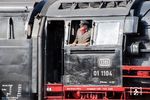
102	4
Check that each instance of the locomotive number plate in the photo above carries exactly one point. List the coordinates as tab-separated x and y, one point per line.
103	73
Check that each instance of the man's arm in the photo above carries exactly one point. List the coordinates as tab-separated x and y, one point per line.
75	41
76	38
84	44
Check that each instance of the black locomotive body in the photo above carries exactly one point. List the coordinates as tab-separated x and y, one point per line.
39	62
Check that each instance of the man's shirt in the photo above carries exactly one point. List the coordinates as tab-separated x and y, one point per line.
82	38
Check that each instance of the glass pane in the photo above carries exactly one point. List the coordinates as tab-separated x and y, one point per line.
107	33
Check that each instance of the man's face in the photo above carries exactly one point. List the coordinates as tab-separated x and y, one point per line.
83	28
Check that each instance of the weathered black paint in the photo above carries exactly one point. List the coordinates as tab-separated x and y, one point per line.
83	68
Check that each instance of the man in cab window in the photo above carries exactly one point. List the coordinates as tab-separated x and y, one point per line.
83	35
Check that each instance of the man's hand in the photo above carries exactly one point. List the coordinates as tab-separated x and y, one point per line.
87	44
73	44
84	44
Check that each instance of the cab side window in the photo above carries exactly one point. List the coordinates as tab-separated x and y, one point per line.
80	32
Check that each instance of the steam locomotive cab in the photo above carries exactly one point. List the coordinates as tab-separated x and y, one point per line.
112	66
41	62
98	63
